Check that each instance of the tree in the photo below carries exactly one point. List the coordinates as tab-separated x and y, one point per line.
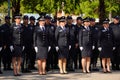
112	7
102	13
39	6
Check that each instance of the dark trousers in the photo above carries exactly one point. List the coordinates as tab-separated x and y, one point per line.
72	58
32	58
79	57
116	58
7	58
94	57
26	57
52	59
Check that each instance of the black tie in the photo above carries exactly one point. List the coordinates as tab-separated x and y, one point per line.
43	28
88	28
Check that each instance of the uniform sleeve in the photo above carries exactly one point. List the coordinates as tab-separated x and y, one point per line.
48	37
113	38
99	38
80	37
11	33
35	37
56	36
93	36
76	34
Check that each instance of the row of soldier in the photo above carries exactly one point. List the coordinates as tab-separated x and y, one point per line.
59	46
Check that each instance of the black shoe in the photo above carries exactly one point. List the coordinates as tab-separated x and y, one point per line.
15	74
88	72
109	72
47	69
18	74
66	72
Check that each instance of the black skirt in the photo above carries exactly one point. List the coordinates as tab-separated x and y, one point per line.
17	52
87	51
107	50
63	52
42	53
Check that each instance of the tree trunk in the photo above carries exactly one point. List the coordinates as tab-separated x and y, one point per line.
15	8
101	11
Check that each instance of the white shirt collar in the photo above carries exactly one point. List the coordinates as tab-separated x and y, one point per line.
86	27
17	24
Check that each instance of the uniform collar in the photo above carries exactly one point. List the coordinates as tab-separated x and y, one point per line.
17	24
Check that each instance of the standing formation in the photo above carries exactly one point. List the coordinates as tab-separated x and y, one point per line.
58	43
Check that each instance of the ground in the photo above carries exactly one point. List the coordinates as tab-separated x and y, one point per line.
54	75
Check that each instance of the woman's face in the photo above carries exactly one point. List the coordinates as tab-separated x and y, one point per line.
18	21
106	25
86	24
62	24
42	23
115	21
79	22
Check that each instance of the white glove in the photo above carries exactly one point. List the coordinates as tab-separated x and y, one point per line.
69	47
57	48
36	49
99	48
11	48
49	48
81	48
0	48
23	47
113	48
93	47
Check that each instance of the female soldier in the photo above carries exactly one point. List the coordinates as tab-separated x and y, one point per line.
62	37
17	45
41	45
85	43
105	43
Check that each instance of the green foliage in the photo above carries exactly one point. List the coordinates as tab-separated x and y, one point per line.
112	5
4	8
77	7
38	6
89	8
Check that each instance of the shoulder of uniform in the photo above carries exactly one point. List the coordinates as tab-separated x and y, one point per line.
13	24
58	27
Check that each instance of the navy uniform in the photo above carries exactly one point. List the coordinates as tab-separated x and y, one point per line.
7	38
17	39
32	50
106	41
52	53
55	54
62	40
51	32
27	43
116	52
41	41
95	52
77	50
72	42
86	40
